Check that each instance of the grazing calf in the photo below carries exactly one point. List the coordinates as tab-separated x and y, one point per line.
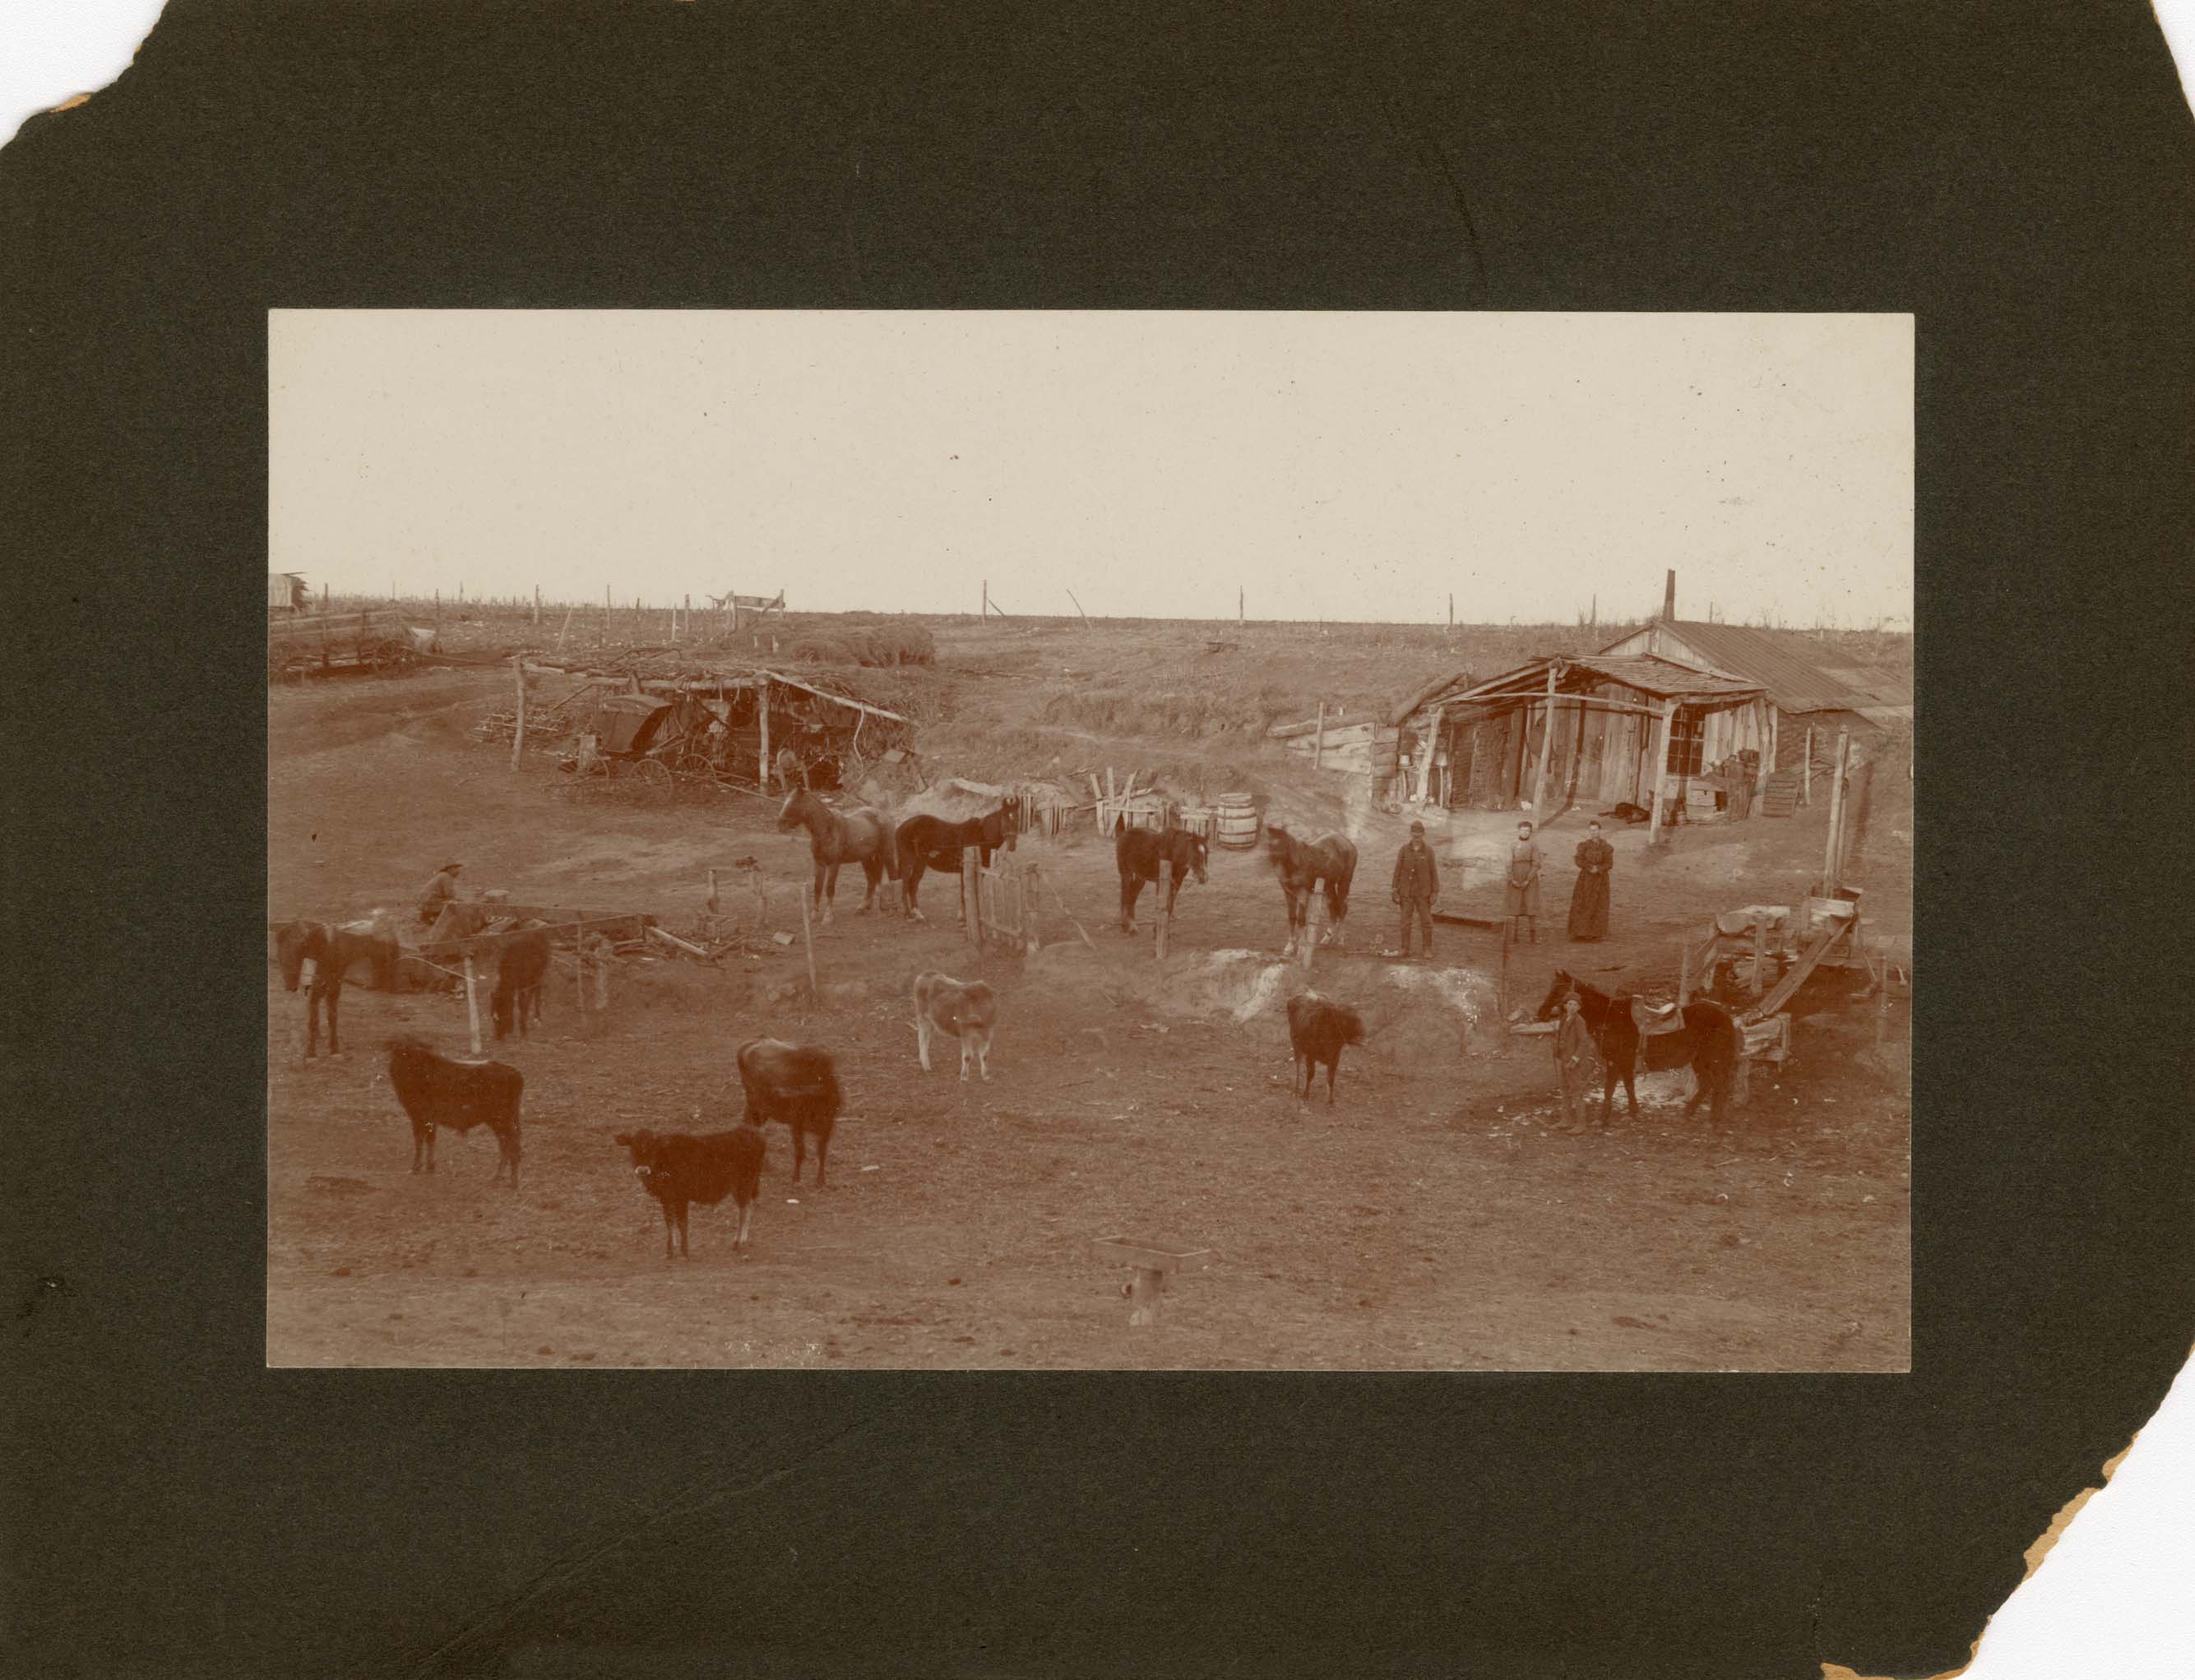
968	1011
437	1091
676	1168
1317	1031
518	977
795	1086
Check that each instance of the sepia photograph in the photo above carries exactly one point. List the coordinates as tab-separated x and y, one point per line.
1091	841
1263	841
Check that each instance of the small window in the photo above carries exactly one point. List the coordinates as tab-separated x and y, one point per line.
1687	743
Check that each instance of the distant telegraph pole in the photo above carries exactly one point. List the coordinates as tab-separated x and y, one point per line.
1239	619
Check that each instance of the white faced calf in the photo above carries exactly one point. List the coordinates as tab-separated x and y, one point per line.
966	1011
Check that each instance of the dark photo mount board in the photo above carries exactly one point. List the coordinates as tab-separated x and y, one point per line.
2018	178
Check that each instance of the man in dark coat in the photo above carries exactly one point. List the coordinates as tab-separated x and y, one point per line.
1417	884
1589	898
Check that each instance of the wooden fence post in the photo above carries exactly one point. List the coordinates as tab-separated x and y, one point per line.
472	1003
518	735
1547	750
1662	726
1318	745
808	938
1767	758
1833	857
971	899
762	710
1807	770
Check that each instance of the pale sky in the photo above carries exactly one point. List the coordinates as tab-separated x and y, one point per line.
1335	465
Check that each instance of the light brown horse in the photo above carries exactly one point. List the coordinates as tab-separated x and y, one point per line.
1329	861
861	834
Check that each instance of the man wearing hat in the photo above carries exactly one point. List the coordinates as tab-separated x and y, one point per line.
1417	884
439	892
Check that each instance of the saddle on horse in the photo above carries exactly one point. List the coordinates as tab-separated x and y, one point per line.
1652	1018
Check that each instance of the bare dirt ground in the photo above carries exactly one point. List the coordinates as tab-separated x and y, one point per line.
1432	1219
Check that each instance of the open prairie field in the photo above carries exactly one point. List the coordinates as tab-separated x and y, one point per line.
1433	1217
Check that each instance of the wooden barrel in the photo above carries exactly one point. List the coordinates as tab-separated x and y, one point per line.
1238	821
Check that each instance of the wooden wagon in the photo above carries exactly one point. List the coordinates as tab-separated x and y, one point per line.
320	644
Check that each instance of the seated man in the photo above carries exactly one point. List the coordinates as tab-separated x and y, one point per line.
438	892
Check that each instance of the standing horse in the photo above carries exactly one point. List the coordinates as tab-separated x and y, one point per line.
1331	859
1707	1044
331	951
1141	855
932	843
859	835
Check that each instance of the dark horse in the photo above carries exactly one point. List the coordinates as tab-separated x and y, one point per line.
332	951
859	835
1707	1044
1331	860
932	843
1141	854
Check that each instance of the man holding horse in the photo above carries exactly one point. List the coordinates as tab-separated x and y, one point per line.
1417	884
1573	1049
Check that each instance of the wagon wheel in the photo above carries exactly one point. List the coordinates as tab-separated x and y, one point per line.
650	782
694	771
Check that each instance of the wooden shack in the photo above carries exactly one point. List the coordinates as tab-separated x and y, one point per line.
1585	730
1797	693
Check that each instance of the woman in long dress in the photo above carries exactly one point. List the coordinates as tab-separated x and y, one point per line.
1522	899
1589	898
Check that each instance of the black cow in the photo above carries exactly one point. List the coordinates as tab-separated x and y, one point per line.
678	1169
437	1091
796	1086
1318	1031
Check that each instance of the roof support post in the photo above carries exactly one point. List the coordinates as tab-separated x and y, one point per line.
1661	762
1546	747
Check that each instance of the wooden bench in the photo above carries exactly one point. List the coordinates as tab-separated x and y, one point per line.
1154	1267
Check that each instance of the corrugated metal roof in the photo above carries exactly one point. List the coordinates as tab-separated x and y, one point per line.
1876	684
1664	678
1793	681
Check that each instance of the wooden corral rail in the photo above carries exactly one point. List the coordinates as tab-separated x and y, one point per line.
1155	1268
562	923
